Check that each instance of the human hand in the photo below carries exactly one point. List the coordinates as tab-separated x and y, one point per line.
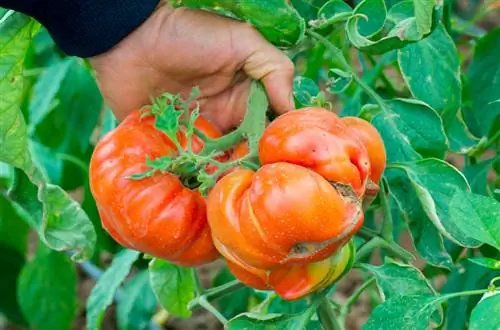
177	49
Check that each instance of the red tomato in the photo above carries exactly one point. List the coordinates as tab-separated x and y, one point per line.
156	215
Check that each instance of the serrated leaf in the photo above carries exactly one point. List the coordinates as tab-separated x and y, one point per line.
486	262
174	286
484	316
430	184
15	37
277	20
410	128
137	303
48	302
403	313
484	85
59	221
103	292
477	215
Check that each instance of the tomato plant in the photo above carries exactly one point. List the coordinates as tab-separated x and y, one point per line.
380	190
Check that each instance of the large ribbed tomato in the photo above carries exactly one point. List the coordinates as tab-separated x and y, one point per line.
156	215
297	211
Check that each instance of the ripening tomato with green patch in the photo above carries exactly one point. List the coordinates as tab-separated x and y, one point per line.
156	215
301	207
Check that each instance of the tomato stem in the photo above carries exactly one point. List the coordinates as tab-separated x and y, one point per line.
251	128
216	292
355	296
327	316
378	242
387	222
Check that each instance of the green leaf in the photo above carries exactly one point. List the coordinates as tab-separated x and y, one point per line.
103	292
46	161
403	313
339	80
486	262
464	277
13	227
256	321
305	90
235	303
410	128
59	221
334	11
398	279
277	20
15	37
423	15
45	91
6	176
431	69
47	290
484	85
430	184
477	216
477	175
308	9
374	13
484	316
12	262
173	286
137	303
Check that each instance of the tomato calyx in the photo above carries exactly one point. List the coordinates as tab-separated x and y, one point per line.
176	117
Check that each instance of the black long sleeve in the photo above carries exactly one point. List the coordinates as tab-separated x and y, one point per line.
86	28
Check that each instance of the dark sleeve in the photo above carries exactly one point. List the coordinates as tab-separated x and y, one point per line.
86	28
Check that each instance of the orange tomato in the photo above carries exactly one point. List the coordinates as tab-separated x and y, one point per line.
155	215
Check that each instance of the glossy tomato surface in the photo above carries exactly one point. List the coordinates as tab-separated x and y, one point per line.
319	140
156	215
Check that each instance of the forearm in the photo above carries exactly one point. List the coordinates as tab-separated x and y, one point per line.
86	28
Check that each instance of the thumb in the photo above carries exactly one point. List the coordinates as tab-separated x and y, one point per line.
264	62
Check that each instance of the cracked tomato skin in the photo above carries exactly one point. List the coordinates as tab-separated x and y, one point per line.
281	214
371	139
156	215
318	139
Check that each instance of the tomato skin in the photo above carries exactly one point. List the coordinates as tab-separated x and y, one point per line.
282	213
371	139
295	281
317	139
156	215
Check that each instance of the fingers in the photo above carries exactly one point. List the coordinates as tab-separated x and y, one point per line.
262	61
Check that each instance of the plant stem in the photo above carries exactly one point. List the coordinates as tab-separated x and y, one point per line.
366	233
327	316
215	293
251	128
465	293
388	84
355	296
210	308
485	146
387	224
378	242
337	53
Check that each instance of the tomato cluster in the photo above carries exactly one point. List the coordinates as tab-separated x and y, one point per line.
285	227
